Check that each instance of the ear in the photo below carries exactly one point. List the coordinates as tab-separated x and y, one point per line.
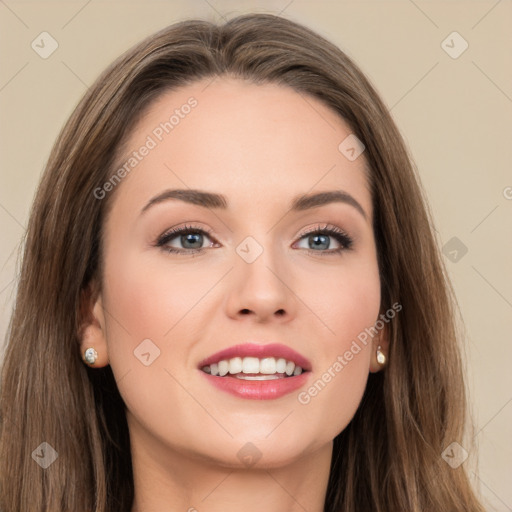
91	333
380	340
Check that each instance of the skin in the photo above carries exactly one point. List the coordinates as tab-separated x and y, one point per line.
260	146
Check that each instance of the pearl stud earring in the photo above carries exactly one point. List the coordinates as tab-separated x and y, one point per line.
381	358
90	355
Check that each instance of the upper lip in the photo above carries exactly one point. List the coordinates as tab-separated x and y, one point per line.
276	350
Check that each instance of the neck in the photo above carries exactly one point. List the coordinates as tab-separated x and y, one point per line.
169	480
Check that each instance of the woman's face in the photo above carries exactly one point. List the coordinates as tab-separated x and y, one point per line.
260	276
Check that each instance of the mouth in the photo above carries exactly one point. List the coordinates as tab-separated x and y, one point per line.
254	368
253	362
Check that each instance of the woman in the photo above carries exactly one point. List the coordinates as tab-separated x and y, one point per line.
301	354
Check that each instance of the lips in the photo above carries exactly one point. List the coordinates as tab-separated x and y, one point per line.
275	350
258	372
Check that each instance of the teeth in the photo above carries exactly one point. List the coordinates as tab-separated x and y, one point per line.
235	365
281	365
268	367
223	368
250	365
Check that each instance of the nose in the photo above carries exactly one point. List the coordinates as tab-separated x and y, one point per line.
260	290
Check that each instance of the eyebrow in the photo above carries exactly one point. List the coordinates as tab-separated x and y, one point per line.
219	201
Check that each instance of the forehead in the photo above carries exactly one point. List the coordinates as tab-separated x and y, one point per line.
255	143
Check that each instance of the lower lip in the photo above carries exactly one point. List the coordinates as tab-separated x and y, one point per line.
257	389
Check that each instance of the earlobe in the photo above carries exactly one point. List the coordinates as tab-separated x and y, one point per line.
91	335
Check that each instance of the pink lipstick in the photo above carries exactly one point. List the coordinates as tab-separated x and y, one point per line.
255	371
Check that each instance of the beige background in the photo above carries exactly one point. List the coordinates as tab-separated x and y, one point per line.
455	115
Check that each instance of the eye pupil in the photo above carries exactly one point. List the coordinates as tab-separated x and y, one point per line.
190	238
319	240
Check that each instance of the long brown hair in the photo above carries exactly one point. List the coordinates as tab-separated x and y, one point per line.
388	459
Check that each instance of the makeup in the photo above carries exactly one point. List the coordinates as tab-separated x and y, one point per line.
256	371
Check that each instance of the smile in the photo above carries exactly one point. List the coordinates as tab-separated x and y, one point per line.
255	371
253	368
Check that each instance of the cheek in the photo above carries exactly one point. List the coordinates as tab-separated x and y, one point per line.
346	302
149	298
350	309
148	310
137	314
357	310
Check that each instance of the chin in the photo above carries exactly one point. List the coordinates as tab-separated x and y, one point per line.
258	451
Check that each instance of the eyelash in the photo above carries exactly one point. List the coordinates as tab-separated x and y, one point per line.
341	237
